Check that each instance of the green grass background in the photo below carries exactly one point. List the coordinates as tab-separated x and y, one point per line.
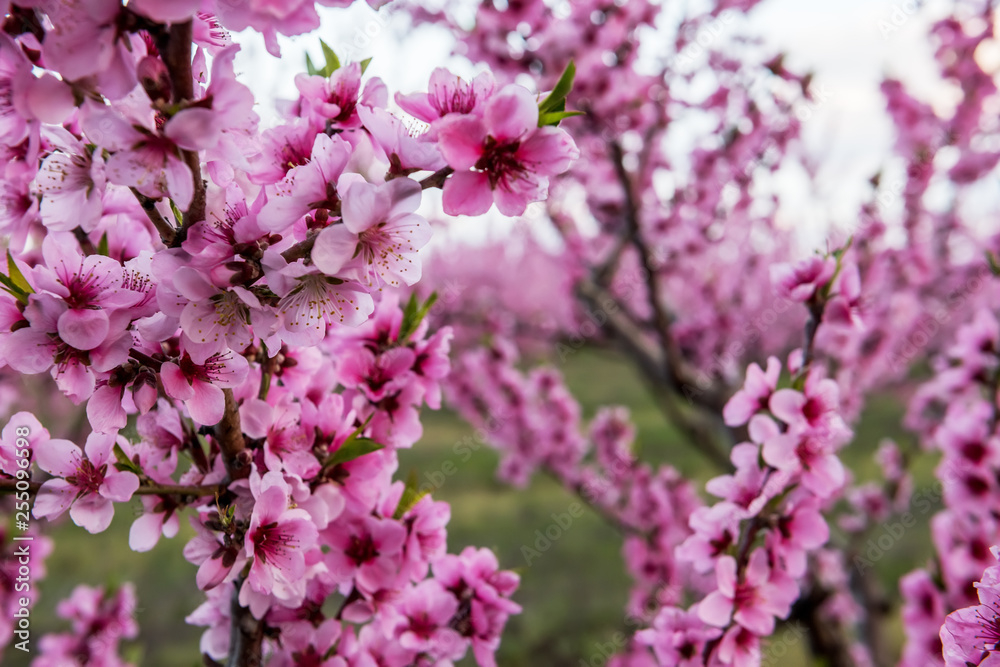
573	595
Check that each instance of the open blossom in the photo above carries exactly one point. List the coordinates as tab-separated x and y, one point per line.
971	636
800	281
332	99
755	394
200	385
380	231
86	481
311	302
71	184
753	602
448	94
277	539
678	637
90	287
501	157
307	187
423	621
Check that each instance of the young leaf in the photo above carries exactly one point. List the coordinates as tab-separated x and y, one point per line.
123	463
994	265
310	68
16	276
411	496
364	64
556	101
553	117
352	449
102	246
413	315
332	61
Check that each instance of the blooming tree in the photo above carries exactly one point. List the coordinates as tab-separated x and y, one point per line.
228	296
671	248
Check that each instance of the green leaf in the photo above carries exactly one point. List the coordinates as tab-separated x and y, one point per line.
413	315
310	68
16	276
125	464
994	265
554	117
102	246
411	496
364	64
178	216
352	449
13	290
558	95
14	283
332	61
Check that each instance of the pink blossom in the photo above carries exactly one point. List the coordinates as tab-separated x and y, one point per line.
308	186
801	281
365	549
755	394
277	540
200	385
448	94
752	601
86	482
422	625
509	156
380	231
971	636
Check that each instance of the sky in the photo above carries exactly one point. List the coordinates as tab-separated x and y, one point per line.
850	45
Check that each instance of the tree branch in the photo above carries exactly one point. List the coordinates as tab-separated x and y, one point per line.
246	634
163	228
177	58
9	486
436	180
649	360
229	435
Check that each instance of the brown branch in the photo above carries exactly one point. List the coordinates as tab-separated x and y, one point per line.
86	245
246	634
302	249
229	435
163	228
9	486
648	359
436	180
177	58
826	639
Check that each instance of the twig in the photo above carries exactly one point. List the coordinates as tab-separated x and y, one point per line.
163	228
436	180
177	58
649	360
229	435
9	486
246	634
302	249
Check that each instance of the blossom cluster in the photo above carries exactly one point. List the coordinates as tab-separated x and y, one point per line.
230	294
